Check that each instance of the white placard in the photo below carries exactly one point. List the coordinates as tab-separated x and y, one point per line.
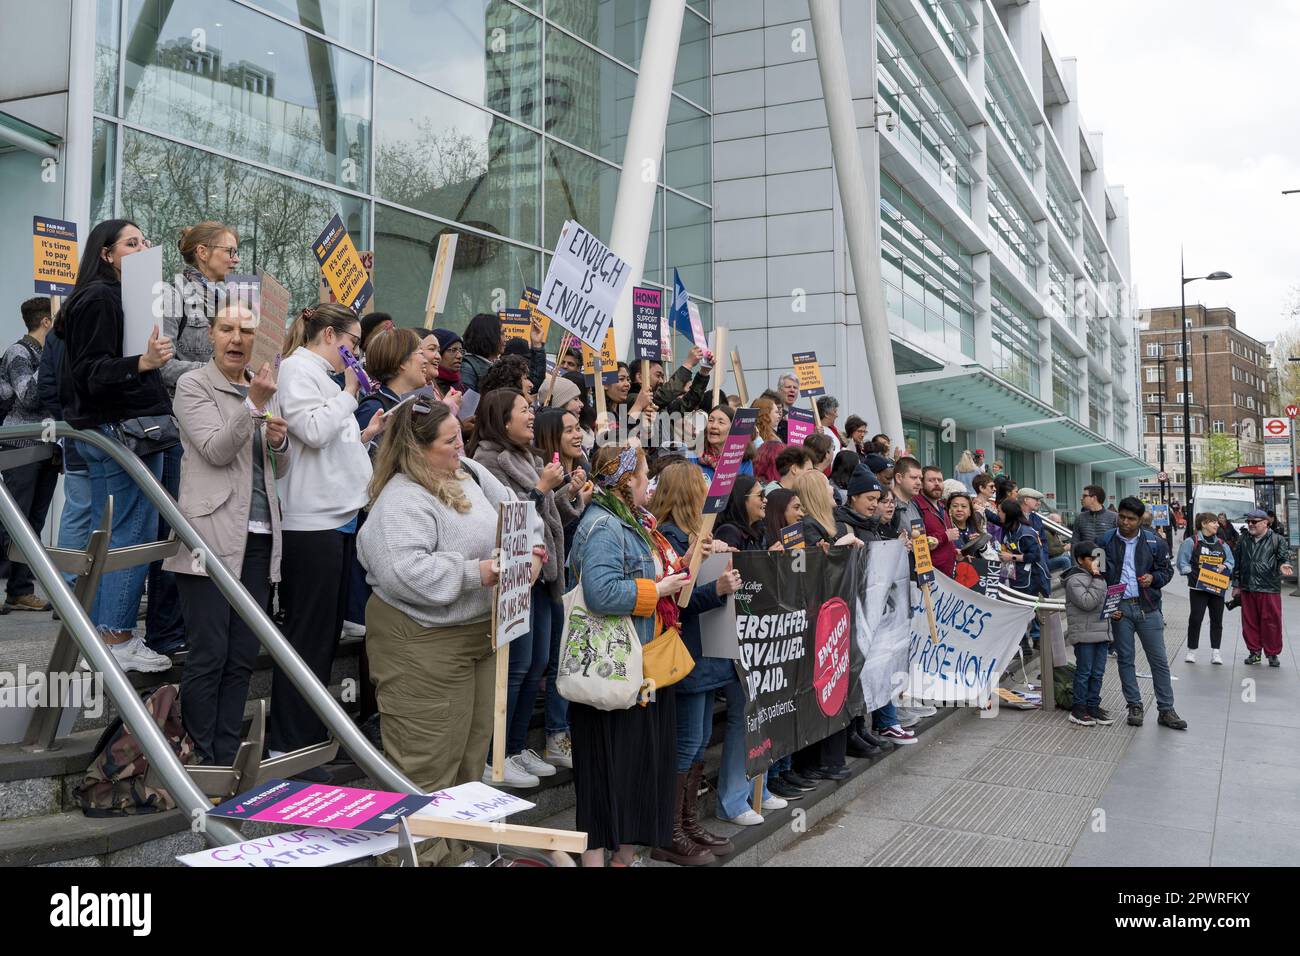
143	294
472	802
515	581
718	627
309	847
583	285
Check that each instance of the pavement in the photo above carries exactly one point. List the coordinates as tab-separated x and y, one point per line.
1027	788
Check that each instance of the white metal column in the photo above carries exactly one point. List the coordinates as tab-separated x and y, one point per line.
857	171
638	182
78	143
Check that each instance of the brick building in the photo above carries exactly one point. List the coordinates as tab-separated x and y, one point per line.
1228	393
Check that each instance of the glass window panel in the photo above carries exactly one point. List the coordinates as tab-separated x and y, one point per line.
108	22
654	251
445	157
348	21
690	245
103	171
577	187
486	270
700	6
688	163
167	186
692	77
249	85
588	97
487	51
615	26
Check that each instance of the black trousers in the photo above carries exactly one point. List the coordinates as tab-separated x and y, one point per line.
1200	601
222	654
315	569
830	752
32	487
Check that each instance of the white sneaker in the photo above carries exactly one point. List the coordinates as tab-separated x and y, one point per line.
905	718
1190	658
531	762
353	630
516	776
134	655
559	751
774	802
747	819
1216	658
919	711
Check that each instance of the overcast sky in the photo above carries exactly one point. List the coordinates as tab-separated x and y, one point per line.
1200	107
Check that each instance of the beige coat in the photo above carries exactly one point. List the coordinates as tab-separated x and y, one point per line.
217	470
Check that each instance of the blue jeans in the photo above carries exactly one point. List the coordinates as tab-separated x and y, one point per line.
1062	562
1089	669
135	521
735	790
528	656
74	522
557	708
779	767
164	628
1150	629
885	717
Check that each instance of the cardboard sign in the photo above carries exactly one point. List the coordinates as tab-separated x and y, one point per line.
718	627
142	299
515	564
792	537
583	284
54	256
1114	594
296	802
516	324
342	267
440	281
1215	582
697	330
473	801
608	362
647	322
309	847
924	563
529	301
268	343
808	371
730	459
799	425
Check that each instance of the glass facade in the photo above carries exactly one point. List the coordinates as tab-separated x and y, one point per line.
929	280
1010	233
1015	342
1066	392
494	119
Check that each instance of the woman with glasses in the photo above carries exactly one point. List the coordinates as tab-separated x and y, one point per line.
321	498
451	356
741	524
102	389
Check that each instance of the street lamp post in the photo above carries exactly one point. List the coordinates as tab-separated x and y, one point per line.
1207	426
1187	418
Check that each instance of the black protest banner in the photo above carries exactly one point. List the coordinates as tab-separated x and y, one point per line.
800	659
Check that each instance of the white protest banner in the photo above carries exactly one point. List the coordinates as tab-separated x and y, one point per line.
514	584
309	847
977	638
473	801
583	285
143	295
883	631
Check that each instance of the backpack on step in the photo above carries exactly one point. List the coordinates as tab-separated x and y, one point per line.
118	781
1063	686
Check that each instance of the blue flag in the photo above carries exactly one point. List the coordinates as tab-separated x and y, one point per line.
680	312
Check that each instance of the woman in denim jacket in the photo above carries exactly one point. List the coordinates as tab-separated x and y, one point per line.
624	761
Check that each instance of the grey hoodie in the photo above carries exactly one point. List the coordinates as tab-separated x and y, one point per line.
1084	597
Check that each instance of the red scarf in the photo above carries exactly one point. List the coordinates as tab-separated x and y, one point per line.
666	611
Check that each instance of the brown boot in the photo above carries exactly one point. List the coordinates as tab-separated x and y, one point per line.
720	846
683	851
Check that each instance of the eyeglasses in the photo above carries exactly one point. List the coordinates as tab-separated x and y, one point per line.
356	339
232	251
454	350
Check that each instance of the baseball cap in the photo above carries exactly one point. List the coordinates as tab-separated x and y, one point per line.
1032	493
979	452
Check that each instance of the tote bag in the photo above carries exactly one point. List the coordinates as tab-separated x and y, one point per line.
600	657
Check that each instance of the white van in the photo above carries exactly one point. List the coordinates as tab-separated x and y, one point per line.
1233	501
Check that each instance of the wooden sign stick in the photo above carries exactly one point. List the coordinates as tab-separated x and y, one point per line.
602	407
719	350
645	377
818	429
739	372
498	833
929	613
697	558
502	677
564	347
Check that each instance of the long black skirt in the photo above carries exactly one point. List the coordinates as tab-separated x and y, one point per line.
624	772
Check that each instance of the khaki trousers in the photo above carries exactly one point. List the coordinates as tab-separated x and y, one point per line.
436	689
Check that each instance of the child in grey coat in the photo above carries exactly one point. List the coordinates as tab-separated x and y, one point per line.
1089	631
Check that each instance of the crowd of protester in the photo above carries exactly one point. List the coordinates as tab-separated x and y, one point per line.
353	513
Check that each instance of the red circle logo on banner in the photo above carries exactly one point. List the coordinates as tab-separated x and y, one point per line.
831	668
967	576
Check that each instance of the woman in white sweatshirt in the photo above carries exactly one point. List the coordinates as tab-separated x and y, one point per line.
321	497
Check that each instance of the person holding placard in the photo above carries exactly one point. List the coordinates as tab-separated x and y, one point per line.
236	445
623	760
124	397
678	506
322	496
503	443
1205	550
428	547
715	438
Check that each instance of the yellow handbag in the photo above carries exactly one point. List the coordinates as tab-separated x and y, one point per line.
664	662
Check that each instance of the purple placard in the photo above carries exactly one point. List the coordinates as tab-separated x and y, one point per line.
799	425
729	462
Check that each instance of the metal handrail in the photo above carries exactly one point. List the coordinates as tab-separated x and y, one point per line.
282	653
1059	529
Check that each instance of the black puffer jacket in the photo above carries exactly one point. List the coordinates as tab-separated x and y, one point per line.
1258	562
863	528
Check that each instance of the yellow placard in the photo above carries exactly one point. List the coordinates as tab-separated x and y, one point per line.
54	256
1213	579
608	358
921	551
516	324
529	301
342	267
808	372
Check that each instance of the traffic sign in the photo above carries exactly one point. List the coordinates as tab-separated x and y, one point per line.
1277	448
1277	427
1292	411
1163	477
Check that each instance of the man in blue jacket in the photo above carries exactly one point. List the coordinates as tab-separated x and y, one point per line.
1139	560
